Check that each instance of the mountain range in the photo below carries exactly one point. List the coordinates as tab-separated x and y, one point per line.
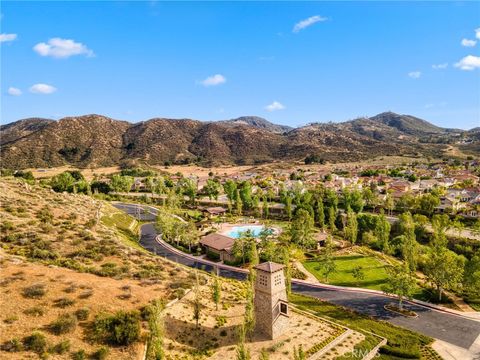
96	140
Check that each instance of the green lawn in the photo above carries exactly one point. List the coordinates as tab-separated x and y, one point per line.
373	269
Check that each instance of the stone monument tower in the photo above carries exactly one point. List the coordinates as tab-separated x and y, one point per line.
271	304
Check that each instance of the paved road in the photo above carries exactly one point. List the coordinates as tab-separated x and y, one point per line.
451	328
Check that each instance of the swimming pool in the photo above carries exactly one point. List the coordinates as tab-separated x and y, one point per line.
237	231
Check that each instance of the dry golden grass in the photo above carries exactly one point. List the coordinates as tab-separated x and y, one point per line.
36	248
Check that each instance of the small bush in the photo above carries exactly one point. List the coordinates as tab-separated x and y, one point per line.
122	328
82	314
10	319
61	348
64	302
100	354
79	355
35	291
35	311
64	324
35	342
86	294
13	345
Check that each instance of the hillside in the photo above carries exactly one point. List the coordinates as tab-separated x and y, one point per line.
56	262
95	140
260	123
407	124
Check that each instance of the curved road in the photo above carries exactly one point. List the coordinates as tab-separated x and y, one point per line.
451	328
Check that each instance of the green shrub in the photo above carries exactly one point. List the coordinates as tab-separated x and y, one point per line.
64	324
64	302
79	355
122	328
35	342
35	291
13	345
100	354
10	319
213	256
150	310
45	215
82	314
61	348
35	311
86	294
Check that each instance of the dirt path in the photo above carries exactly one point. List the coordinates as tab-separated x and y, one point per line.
310	278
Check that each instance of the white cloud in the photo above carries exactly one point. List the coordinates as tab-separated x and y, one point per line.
7	37
62	48
469	62
42	89
274	106
214	80
308	22
14	91
439	66
477	33
414	74
469	43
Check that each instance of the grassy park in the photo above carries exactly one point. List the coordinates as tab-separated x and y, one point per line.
373	270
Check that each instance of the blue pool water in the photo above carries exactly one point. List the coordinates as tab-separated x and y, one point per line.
237	231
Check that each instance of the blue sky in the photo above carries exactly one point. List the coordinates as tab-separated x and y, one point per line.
292	63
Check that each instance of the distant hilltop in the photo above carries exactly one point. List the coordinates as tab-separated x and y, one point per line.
96	140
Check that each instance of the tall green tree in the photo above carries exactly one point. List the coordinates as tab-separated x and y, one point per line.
400	282
246	194
301	229
382	232
353	199
471	277
212	189
389	203
238	203
351	227
320	214
371	198
409	244
230	188
62	182
428	202
120	183
188	188
288	207
332	215
242	247
443	267
327	263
